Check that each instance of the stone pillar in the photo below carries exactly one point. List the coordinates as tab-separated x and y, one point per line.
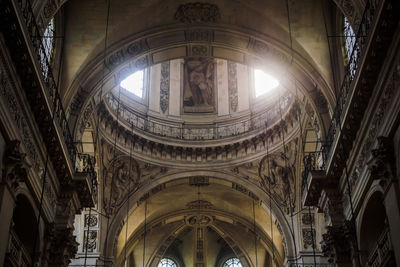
13	173
382	168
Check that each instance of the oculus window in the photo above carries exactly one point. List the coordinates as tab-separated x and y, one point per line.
167	262
232	262
263	83
134	83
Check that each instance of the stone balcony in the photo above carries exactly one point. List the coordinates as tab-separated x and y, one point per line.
25	46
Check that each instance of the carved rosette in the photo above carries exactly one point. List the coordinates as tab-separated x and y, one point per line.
232	86
164	86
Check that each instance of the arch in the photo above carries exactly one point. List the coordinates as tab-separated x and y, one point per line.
277	213
24	239
179	227
372	224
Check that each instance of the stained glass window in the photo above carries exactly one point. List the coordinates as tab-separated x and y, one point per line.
167	262
232	262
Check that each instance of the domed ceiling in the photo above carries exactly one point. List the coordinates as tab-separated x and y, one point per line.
196	113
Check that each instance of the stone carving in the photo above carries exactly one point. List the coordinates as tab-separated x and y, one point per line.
199	85
232	86
49	9
15	165
308	238
199	51
164	86
197	12
198	35
382	163
278	173
120	176
377	120
199	181
63	247
336	244
120	56
91	220
90	241
244	191
199	204
200	220
307	219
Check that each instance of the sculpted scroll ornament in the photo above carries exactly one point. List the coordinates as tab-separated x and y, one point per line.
120	176
278	173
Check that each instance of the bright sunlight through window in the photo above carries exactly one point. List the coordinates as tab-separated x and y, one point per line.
134	83
263	82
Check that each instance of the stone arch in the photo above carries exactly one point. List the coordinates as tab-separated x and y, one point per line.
372	223
237	247
277	213
24	216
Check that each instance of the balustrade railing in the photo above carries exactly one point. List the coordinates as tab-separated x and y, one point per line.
351	70
50	84
199	132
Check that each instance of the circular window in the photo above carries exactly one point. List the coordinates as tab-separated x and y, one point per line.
166	262
232	262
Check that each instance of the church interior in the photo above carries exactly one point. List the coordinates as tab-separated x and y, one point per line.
220	133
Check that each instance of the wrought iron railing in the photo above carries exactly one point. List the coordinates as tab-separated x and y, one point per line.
59	115
382	251
351	70
199	132
17	254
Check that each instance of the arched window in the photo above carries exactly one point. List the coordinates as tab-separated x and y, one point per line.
167	262
232	262
46	53
351	47
134	83
263	82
